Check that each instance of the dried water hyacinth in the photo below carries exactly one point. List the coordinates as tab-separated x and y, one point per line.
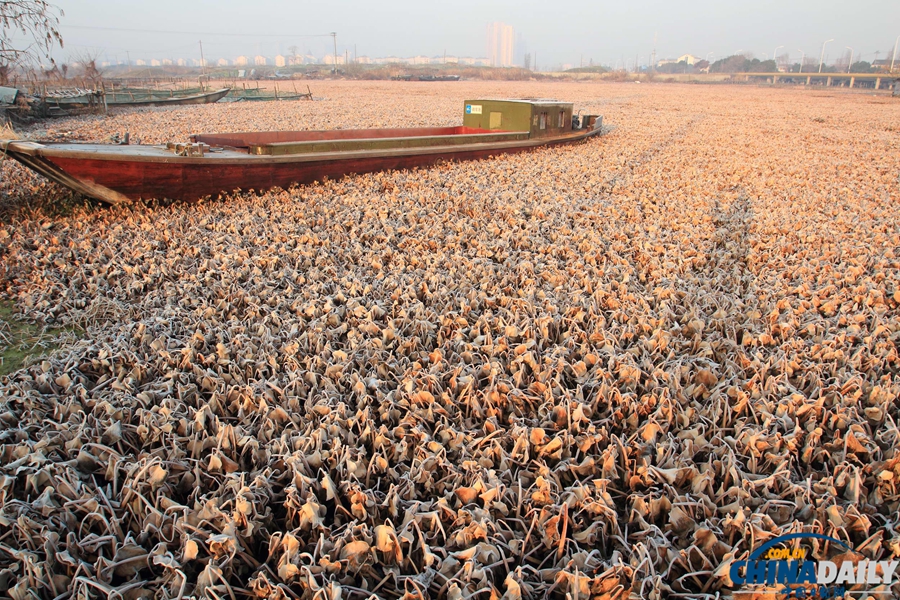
599	371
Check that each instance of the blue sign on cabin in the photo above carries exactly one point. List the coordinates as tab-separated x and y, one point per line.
468	109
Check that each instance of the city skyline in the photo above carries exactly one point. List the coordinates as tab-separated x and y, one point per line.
603	33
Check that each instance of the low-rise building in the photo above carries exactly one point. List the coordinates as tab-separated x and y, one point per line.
688	59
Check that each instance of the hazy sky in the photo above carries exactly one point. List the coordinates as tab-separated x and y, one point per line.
557	32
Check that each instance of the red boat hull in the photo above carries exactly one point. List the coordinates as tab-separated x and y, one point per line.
136	180
115	174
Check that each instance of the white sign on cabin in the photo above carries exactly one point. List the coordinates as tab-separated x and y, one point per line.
473	109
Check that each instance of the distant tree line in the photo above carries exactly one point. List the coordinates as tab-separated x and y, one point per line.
589	69
738	63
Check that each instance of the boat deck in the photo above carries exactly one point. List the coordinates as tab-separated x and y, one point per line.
416	141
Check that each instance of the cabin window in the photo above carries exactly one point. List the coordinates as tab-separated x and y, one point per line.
543	122
562	119
495	120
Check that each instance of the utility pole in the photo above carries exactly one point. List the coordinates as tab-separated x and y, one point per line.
850	64
802	56
334	63
653	59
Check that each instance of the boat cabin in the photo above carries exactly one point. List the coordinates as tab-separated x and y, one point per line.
540	118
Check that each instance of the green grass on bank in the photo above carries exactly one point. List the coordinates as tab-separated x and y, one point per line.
21	343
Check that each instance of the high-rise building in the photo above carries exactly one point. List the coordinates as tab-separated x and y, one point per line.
500	44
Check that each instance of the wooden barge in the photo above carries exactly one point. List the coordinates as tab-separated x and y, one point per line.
211	164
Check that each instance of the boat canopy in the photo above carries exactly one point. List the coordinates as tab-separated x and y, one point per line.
539	117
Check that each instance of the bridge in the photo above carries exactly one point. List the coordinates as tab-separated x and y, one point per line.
869	80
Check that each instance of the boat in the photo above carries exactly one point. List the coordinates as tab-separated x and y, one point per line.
156	98
126	98
211	164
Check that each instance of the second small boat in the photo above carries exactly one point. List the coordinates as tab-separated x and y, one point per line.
211	164
136	98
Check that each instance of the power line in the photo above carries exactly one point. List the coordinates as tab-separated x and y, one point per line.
105	48
257	35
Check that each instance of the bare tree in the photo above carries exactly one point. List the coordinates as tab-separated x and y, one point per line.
28	32
87	61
